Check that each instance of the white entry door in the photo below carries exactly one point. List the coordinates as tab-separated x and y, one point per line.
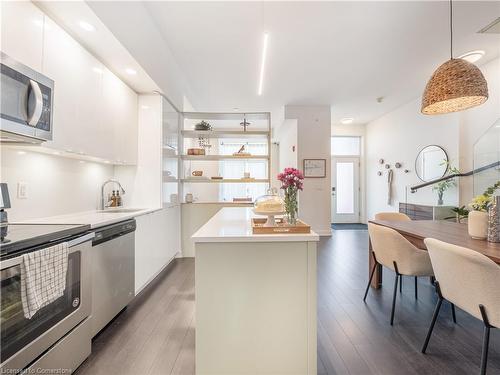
345	189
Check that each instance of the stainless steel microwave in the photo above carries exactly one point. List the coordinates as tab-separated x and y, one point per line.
26	103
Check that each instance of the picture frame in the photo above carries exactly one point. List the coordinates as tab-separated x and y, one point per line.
314	168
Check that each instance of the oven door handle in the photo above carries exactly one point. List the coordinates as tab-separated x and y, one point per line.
77	241
35	103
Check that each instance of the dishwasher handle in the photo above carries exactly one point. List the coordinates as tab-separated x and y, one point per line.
113	231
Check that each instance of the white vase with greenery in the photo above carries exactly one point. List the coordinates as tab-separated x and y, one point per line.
478	216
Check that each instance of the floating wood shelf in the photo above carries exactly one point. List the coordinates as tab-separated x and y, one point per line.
225	180
223	157
224	134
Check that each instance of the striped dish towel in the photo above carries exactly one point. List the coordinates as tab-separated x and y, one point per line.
43	277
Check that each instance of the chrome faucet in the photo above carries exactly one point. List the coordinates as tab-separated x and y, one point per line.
105	205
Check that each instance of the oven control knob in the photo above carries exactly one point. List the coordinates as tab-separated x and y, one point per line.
76	302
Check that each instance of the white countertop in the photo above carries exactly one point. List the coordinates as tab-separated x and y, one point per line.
233	224
95	218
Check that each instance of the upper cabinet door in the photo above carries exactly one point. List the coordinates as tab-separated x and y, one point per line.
120	115
22	32
78	79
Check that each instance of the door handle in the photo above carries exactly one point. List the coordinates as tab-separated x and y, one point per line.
35	103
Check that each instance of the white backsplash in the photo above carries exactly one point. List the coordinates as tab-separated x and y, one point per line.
55	185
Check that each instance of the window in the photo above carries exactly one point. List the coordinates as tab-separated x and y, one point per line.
346	146
235	169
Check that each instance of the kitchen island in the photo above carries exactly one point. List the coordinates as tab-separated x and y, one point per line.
255	298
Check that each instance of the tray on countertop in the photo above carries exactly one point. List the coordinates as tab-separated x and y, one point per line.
280	228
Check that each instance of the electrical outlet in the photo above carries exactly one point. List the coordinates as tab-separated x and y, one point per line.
22	190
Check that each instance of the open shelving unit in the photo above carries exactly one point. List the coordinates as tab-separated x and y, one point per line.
225	127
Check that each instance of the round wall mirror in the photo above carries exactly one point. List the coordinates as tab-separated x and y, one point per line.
431	163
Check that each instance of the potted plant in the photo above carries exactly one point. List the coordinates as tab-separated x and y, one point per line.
461	213
442	186
203	125
478	216
291	182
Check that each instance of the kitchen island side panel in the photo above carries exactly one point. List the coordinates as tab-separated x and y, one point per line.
256	308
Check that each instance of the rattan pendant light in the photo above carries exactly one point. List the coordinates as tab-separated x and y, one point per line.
455	86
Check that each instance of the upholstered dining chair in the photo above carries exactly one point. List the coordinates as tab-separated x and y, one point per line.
397	216
392	250
392	216
476	294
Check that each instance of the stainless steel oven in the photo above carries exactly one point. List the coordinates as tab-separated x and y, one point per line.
26	103
25	341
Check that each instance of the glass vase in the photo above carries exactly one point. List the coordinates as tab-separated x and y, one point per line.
291	206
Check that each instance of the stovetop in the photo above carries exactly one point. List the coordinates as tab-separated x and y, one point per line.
20	237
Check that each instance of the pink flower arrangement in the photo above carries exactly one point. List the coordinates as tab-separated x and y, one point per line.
291	177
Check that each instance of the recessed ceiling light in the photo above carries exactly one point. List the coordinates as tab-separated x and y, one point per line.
346	120
144	106
86	26
107	161
131	71
21	152
56	153
38	22
472	56
81	161
97	70
263	63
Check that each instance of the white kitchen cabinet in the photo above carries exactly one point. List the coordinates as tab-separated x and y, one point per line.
77	79
157	241
120	114
22	32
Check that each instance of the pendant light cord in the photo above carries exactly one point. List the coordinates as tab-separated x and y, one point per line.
451	29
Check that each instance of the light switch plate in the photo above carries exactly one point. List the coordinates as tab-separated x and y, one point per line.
22	190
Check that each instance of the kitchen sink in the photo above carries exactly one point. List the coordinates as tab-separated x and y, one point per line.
119	210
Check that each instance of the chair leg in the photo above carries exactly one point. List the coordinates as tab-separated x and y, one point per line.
453	314
433	322
416	288
370	281
484	354
395	292
400	283
486	340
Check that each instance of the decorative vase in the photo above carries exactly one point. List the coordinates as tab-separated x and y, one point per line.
478	225
494	220
440	198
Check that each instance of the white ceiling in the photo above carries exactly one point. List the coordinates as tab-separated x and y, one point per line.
100	41
345	54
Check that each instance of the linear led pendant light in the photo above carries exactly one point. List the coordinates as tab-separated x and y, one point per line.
455	86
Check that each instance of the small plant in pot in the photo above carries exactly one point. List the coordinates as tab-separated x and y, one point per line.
442	186
203	125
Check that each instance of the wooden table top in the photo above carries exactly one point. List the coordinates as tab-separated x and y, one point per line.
445	231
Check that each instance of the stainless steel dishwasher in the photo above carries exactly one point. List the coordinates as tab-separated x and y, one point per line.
113	271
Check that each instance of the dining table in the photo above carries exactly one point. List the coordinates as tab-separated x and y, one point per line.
416	231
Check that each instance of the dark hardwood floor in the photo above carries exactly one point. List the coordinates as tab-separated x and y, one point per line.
155	334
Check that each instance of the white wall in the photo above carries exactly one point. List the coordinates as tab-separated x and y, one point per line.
407	131
55	185
313	136
287	136
398	137
475	122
